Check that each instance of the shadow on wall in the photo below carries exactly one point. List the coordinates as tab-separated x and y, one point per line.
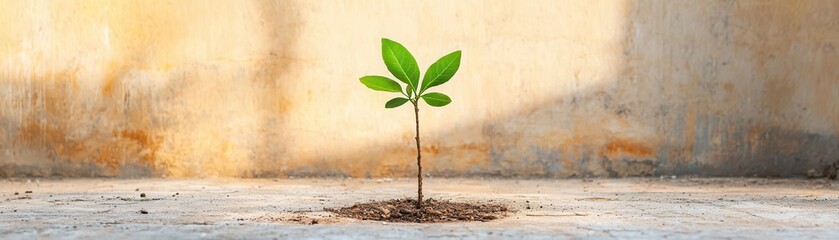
283	23
705	89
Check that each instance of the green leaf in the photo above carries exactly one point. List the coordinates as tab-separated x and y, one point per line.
380	83
396	102
441	71
400	62
408	91
436	99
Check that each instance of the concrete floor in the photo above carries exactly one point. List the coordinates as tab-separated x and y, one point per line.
268	209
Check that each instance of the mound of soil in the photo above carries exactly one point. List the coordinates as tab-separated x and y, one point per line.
405	210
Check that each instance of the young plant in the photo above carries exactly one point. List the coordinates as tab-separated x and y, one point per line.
404	67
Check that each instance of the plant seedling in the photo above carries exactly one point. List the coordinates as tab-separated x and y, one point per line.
404	67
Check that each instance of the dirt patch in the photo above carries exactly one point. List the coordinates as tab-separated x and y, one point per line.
305	218
405	210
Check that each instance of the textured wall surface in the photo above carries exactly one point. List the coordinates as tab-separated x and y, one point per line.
546	88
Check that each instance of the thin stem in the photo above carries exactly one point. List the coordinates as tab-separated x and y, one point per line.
419	156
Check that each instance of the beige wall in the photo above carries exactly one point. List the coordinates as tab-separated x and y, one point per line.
546	88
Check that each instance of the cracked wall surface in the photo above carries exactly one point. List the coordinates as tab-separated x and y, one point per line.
546	88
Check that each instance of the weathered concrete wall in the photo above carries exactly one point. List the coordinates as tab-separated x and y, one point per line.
546	88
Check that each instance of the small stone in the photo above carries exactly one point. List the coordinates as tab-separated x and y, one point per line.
28	192
144	212
142	194
16	193
314	221
385	211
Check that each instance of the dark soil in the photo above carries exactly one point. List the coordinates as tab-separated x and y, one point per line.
405	210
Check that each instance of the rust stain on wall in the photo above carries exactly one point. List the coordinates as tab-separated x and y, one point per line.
754	134
149	145
109	154
114	72
729	88
629	148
